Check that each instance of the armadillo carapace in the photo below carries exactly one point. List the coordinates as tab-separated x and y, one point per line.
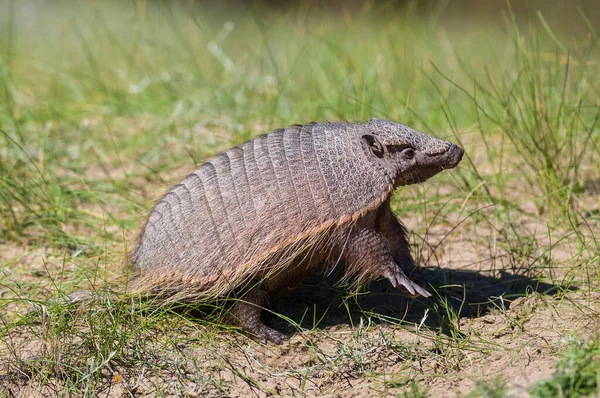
257	218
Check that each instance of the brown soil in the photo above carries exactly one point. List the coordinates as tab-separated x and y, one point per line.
517	339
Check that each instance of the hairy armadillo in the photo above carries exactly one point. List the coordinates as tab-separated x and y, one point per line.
257	218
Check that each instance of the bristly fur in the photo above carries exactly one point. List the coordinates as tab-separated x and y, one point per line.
182	288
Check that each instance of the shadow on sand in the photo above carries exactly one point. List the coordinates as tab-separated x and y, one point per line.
319	303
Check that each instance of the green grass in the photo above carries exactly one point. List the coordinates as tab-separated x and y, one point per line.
104	105
578	373
493	388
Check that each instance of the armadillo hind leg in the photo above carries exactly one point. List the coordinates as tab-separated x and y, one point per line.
368	254
388	225
246	313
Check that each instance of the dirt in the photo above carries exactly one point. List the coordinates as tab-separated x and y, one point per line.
517	339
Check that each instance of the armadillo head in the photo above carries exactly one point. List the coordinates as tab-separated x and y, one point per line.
413	156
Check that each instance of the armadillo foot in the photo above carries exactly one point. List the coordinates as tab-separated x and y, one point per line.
398	279
417	278
265	334
246	314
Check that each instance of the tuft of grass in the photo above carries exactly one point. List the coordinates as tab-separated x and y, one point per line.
577	373
494	388
415	391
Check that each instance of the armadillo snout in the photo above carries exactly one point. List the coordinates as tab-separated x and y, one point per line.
455	154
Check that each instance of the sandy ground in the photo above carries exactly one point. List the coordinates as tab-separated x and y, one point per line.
505	331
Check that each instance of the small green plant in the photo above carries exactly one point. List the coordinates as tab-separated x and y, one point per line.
493	388
415	391
578	373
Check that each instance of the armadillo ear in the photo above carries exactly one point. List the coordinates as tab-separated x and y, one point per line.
373	145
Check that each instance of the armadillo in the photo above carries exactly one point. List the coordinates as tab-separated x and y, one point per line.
255	219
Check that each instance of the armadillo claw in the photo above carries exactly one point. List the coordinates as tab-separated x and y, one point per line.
266	334
401	281
421	291
389	276
407	284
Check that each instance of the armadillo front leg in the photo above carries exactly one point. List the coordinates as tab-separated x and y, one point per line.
246	313
369	255
389	226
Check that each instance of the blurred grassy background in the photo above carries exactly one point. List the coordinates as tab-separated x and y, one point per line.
104	104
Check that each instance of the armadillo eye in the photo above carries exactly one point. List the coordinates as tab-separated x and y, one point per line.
408	153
